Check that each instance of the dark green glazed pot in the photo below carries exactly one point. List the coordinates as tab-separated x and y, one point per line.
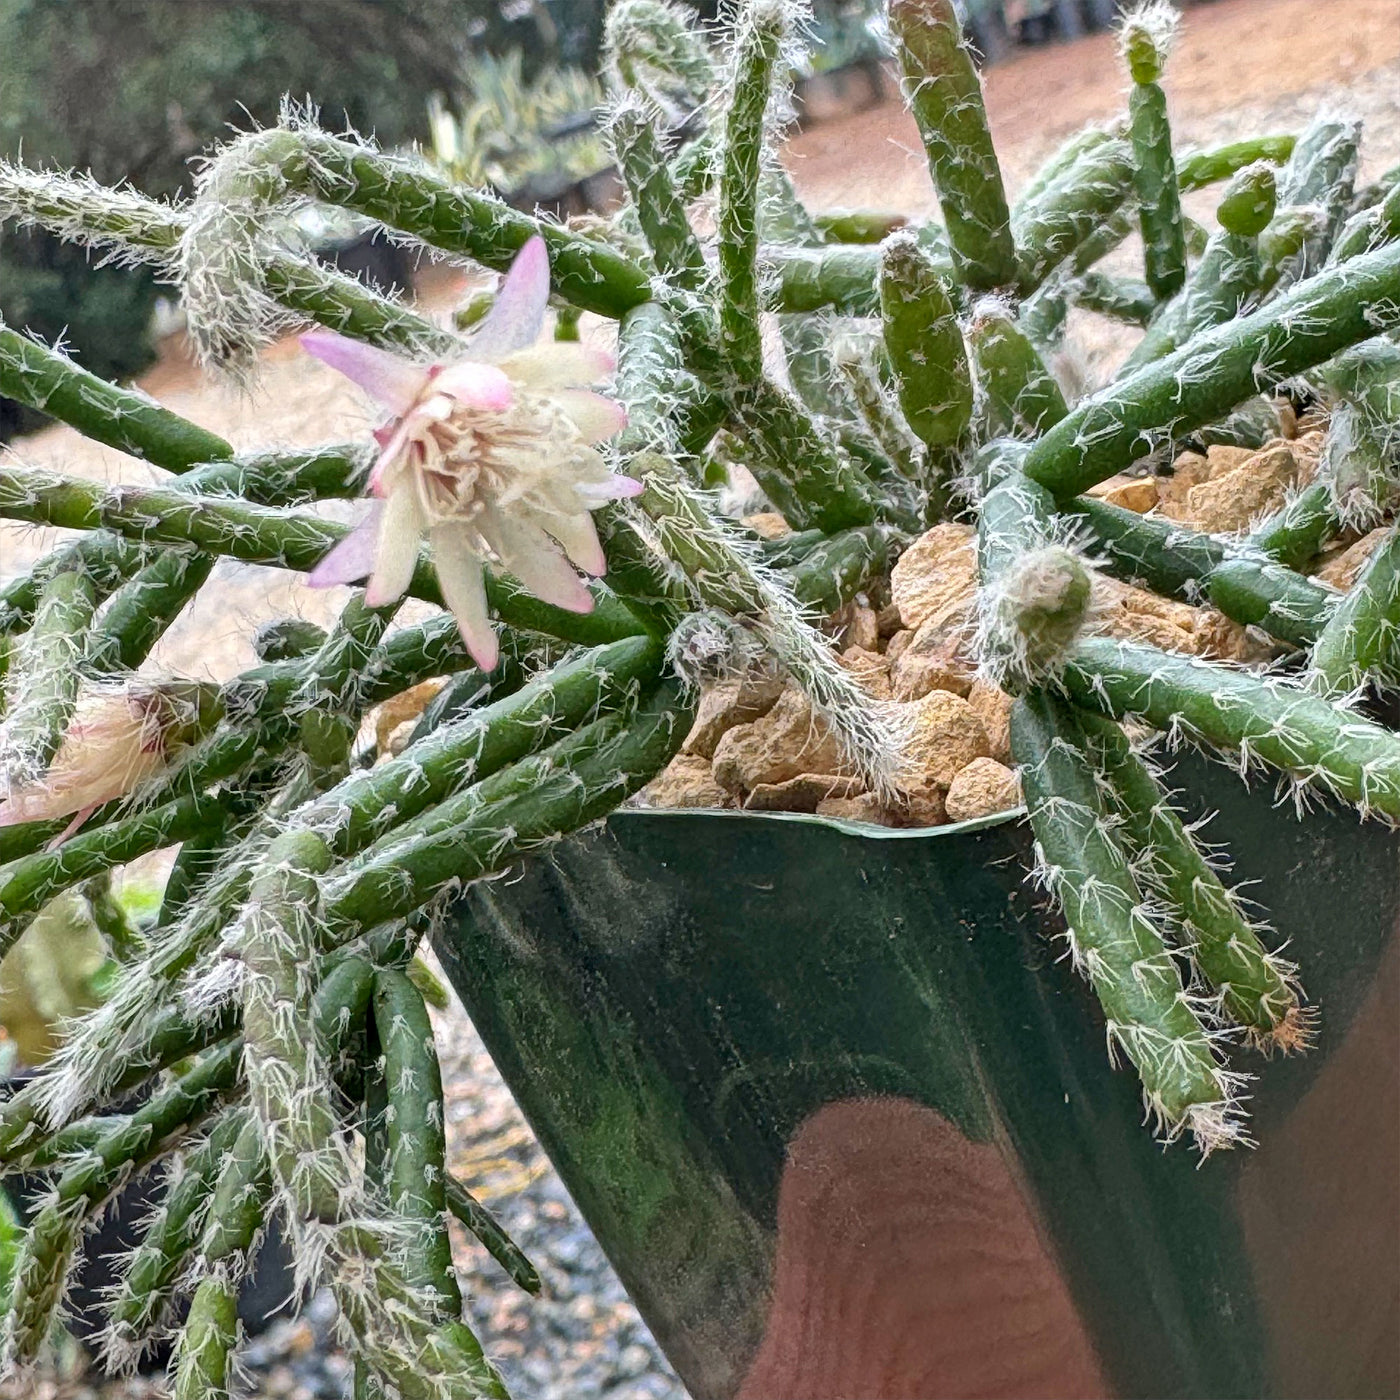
844	1120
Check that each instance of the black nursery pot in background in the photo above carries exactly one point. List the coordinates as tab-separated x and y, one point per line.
844	1121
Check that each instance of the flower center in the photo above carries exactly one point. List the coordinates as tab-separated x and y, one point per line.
472	459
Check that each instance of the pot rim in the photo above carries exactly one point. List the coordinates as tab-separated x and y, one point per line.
841	824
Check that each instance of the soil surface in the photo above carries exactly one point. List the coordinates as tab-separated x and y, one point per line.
1243	66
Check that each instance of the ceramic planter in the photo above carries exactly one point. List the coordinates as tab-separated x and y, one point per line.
845	1124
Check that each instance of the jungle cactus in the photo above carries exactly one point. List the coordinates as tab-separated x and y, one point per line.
918	392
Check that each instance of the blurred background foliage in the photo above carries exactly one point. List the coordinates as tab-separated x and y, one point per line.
134	88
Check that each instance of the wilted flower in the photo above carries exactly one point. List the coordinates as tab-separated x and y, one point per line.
113	743
491	457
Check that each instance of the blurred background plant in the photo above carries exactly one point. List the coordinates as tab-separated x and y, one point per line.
525	137
132	91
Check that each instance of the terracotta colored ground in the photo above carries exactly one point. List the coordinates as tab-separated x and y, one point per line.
1234	57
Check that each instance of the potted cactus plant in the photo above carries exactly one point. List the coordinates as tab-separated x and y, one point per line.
798	1071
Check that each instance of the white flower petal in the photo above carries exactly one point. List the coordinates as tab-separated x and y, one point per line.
516	316
558	364
353	557
464	591
400	530
615	488
393	381
475	385
596	417
580	540
528	553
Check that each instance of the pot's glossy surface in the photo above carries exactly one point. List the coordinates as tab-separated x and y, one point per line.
845	1123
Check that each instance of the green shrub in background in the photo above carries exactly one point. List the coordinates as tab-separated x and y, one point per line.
132	91
522	136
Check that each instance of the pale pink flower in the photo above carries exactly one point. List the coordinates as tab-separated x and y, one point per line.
492	457
113	743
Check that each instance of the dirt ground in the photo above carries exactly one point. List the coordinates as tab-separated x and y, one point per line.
1240	67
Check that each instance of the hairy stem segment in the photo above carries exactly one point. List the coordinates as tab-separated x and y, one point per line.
260	534
1019	397
925	346
725	576
1179	562
1361	640
122	418
42	687
223	251
1219	369
1035	592
1257	989
143	1295
1113	939
481	1223
1198	169
41	1272
1297	532
674	247
1144	41
756	51
944	93
489	826
1247	719
415	1169
1075	206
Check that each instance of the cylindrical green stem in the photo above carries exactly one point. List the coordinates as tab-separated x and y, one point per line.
1217	370
1268	596
1256	988
207	1342
480	1222
31	881
144	1292
1019	396
801	469
886	424
41	1273
1159	196
1359	642
42	684
945	95
1124	300
842	278
368	804
1321	170
258	534
1244	717
1071	208
1201	168
144	607
406	195
275	943
660	210
120	418
415	1166
552	795
756	51
1296	533
1360	464
1035	592
925	345
1113	940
